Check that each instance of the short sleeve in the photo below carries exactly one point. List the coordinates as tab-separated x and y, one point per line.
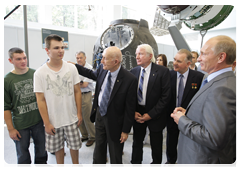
38	84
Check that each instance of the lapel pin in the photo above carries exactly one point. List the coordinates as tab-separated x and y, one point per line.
194	85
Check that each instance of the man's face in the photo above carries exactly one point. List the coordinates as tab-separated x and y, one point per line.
19	60
81	59
108	61
180	64
194	58
207	59
143	59
56	50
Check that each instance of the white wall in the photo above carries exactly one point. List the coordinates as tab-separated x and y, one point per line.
168	50
14	37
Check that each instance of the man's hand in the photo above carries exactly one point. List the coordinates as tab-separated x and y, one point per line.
137	116
177	113
14	134
79	119
124	137
49	129
146	117
71	62
142	118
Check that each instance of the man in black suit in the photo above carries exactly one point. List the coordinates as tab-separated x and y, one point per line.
114	118
153	97
180	97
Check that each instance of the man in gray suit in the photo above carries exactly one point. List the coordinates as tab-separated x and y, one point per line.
208	125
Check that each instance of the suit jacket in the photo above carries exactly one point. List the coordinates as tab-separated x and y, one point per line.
208	132
157	96
121	105
192	85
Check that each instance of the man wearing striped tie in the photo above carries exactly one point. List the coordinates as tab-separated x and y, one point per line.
185	83
153	95
113	106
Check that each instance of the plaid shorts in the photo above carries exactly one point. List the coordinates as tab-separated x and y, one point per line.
69	133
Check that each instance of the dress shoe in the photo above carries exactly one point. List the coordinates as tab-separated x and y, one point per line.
90	142
84	139
168	164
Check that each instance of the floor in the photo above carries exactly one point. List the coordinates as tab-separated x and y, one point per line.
85	153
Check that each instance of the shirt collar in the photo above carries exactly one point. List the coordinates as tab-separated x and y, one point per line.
148	68
115	73
184	74
217	73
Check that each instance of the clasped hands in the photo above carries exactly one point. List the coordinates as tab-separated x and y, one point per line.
142	118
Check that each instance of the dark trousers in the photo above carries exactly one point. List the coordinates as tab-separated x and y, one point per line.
156	138
172	140
102	139
38	135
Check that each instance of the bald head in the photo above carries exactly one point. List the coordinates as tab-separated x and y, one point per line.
112	58
114	52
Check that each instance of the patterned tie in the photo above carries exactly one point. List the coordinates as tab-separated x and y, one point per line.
204	82
180	90
105	96
140	89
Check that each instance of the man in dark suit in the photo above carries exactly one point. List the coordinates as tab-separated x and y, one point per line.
113	118
208	124
153	96
191	82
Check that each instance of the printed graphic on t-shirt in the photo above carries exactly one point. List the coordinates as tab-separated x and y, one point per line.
26	96
24	91
60	86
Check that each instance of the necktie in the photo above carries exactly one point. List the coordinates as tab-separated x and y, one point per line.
140	88
204	82
105	96
180	90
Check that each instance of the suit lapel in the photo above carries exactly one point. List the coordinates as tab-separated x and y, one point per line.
208	85
117	84
151	80
101	78
174	84
188	85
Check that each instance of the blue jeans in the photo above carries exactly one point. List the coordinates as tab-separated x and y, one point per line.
38	135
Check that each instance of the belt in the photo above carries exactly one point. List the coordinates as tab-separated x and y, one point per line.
86	92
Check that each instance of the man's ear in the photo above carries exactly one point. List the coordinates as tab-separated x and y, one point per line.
10	60
222	57
47	50
188	63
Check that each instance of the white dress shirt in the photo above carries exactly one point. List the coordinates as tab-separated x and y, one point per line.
145	82
113	79
185	76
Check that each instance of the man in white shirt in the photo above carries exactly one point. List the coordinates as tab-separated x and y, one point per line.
87	128
56	84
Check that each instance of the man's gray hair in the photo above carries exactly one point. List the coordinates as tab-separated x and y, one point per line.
148	50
